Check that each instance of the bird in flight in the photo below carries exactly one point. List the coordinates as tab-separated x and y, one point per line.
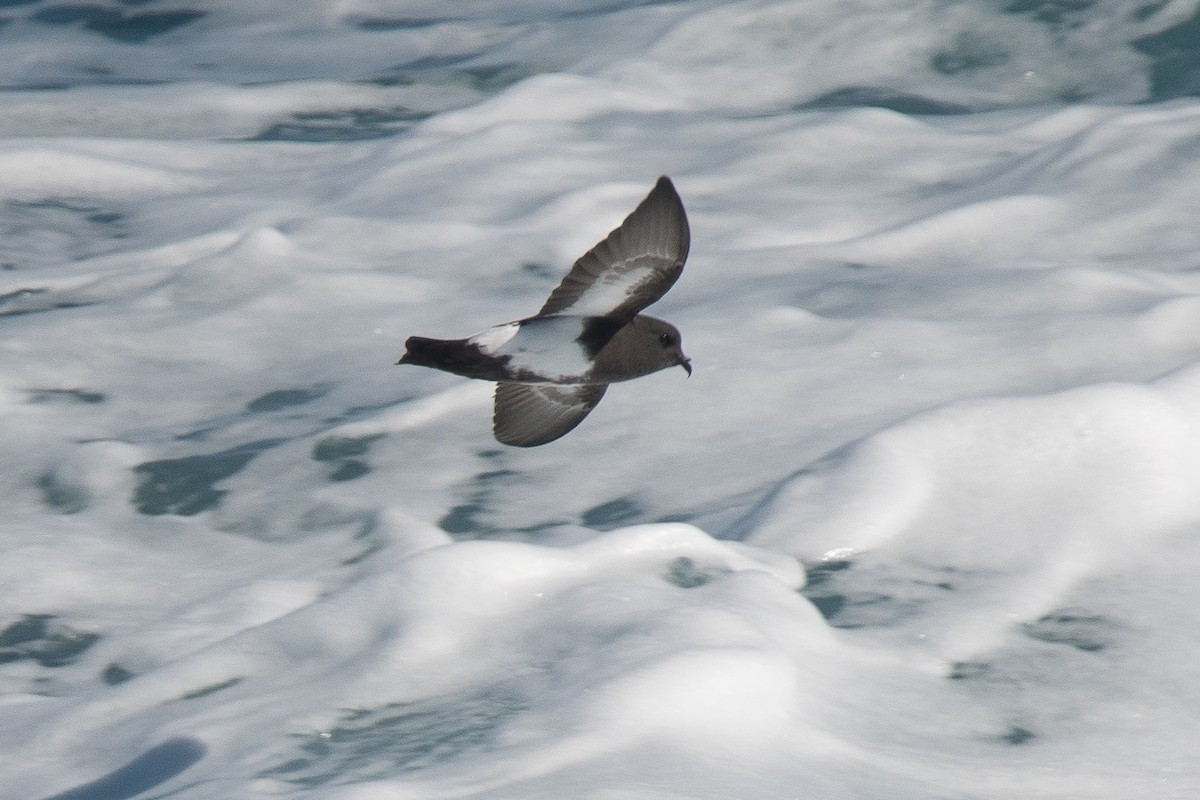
552	369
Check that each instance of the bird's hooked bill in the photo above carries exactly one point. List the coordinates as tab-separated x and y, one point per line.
687	365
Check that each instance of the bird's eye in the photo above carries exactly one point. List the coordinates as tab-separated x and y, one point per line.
665	339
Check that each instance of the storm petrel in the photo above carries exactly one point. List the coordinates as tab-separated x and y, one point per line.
553	368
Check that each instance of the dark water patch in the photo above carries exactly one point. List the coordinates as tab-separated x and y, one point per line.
819	589
50	230
851	598
540	531
285	398
39	638
150	769
1059	15
967	54
436	64
342	453
378	743
72	395
1148	10
62	496
451	71
612	514
1079	629
212	688
687	573
198	435
76	205
600	10
1017	735
349	470
40	86
943	585
35	300
966	670
465	520
540	271
823	572
352	125
115	674
871	97
829	605
185	486
335	448
90	76
493	78
1174	60
380	23
122	25
484	499
362	555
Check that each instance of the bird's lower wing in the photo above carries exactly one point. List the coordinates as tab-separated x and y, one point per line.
531	414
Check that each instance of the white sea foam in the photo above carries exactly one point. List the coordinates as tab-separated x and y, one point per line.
922	524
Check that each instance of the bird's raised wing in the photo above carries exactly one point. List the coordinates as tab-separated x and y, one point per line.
635	264
529	414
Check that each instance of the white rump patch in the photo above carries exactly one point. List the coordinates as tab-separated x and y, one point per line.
545	346
492	339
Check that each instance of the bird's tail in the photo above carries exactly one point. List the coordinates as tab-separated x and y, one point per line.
423	352
459	356
451	355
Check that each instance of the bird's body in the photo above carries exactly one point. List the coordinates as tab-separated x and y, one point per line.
553	368
555	349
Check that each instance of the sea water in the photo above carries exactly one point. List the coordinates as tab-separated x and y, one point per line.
924	523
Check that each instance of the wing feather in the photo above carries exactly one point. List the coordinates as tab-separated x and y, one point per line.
634	266
529	414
